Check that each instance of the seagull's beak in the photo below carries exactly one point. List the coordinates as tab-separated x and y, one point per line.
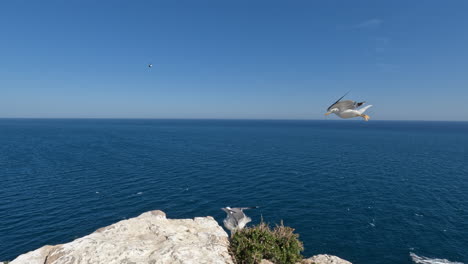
327	113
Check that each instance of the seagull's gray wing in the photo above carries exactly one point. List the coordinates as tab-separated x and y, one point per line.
344	105
237	212
337	101
234	215
245	208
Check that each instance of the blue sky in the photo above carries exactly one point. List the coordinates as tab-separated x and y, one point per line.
233	59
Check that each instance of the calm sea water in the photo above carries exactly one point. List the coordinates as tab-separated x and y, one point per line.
369	192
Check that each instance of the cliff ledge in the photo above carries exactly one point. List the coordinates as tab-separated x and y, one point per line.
150	238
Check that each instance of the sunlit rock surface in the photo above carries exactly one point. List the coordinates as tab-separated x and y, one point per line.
149	238
325	259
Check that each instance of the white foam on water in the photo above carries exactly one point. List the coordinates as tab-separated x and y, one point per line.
424	260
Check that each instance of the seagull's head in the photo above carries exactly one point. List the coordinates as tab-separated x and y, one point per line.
226	209
331	111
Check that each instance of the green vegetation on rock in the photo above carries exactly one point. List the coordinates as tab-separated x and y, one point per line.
279	245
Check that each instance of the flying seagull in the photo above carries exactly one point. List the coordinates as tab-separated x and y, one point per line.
348	109
236	219
150	65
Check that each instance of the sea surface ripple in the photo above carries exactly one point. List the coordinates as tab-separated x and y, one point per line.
369	192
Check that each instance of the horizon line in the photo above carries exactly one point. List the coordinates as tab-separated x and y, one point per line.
225	119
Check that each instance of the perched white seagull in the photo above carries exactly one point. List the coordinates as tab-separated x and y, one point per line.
236	219
348	109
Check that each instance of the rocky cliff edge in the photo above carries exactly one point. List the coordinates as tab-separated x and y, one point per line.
150	238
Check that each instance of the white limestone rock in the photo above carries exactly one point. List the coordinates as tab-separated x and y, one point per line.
325	259
149	238
317	259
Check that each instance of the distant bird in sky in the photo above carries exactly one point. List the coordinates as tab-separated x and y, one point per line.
348	109
150	65
236	219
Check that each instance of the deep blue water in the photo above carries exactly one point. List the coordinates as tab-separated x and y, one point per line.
369	192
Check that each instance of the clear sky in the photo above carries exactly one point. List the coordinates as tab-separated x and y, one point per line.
233	59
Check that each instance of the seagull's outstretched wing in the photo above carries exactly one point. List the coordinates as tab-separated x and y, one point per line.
337	101
245	208
236	213
345	105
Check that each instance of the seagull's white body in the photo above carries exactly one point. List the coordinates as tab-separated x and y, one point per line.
350	113
230	225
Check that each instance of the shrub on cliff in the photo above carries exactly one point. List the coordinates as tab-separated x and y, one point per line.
279	245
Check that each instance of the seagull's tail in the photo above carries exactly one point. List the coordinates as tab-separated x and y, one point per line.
362	110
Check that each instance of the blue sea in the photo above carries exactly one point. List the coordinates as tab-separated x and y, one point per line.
369	192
